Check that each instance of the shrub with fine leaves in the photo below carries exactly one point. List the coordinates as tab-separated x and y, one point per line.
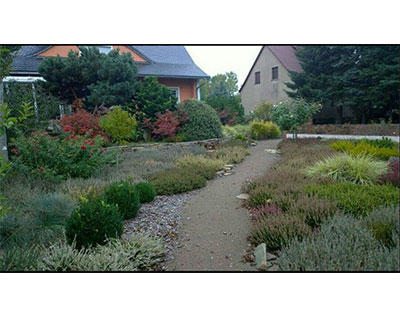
119	125
201	165
83	123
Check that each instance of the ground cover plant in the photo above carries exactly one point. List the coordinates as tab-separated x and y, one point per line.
382	149
206	167
320	223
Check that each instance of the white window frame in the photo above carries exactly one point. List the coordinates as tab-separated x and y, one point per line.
178	92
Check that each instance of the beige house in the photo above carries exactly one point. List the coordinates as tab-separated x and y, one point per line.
266	78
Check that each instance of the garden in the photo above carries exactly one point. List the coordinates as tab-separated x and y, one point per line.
329	206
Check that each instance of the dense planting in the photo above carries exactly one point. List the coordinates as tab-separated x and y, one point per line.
264	130
146	192
201	165
365	147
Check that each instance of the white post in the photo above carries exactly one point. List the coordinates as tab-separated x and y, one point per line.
3	136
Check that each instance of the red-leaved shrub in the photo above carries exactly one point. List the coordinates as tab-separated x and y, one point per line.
83	123
168	123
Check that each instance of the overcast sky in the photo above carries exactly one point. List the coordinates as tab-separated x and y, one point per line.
220	59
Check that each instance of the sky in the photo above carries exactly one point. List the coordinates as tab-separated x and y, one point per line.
220	59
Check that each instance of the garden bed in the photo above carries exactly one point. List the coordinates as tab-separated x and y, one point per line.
352	129
323	207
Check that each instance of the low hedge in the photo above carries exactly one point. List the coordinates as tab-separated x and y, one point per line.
358	200
264	130
176	180
201	165
146	192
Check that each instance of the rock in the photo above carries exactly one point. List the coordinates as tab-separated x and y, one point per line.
229	166
243	196
271	151
260	254
227	173
270	257
253	144
227	169
220	173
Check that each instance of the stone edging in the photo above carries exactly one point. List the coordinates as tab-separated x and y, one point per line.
136	147
332	136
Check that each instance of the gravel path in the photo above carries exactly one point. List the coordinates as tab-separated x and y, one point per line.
215	226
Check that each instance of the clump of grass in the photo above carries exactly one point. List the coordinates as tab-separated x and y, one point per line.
356	169
201	165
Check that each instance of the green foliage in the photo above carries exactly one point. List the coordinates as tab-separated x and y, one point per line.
359	169
342	244
6	58
262	112
276	230
290	114
363	78
203	121
52	209
358	200
221	84
146	192
264	130
93	222
176	180
60	157
47	105
384	225
152	97
8	121
139	253
96	78
201	165
118	124
365	147
123	194
241	132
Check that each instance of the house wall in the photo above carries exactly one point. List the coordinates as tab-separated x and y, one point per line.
267	90
187	87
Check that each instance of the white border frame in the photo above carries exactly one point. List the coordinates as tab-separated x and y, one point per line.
179	92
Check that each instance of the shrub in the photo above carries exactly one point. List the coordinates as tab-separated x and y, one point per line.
393	175
203	121
380	143
168	124
341	245
262	111
124	195
269	208
139	253
263	130
52	209
62	156
152	97
365	148
119	125
359	200
93	222
276	230
146	192
360	169
201	165
384	225
83	123
230	154
175	181
290	114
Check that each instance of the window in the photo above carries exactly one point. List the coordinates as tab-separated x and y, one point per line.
104	49
257	77
275	73
175	92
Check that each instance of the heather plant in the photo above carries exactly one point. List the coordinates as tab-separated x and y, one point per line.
60	157
230	154
342	244
276	230
119	125
146	192
364	147
358	200
392	176
124	195
139	253
176	180
384	225
201	165
93	222
359	169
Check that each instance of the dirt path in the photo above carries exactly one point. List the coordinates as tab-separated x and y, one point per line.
215	227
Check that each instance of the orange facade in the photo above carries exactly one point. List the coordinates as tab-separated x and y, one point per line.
187	87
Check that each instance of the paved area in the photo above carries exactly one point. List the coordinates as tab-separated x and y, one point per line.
215	228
